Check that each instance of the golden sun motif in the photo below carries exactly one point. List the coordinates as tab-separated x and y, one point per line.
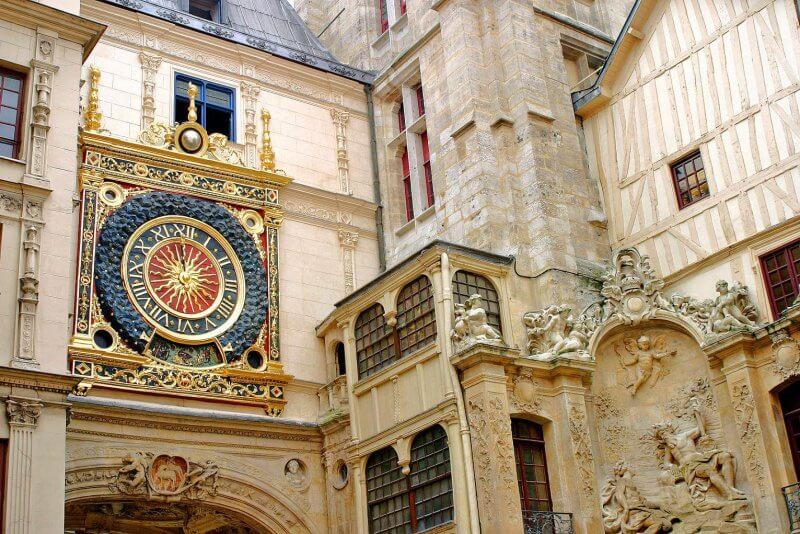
184	277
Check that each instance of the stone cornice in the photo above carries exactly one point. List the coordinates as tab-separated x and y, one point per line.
37	380
68	26
328	208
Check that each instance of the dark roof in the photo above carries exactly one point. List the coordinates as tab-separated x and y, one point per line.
269	25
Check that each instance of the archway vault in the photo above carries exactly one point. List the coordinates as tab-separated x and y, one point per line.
98	495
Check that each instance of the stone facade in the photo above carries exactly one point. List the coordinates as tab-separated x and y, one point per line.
540	308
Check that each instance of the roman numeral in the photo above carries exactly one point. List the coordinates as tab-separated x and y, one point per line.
135	270
160	315
185	230
160	232
225	307
210	324
139	289
183	326
142	247
230	285
224	261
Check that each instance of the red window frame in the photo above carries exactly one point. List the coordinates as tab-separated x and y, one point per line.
420	101
687	178
401	117
533	444
16	141
383	12
426	165
781	274
402	7
407	195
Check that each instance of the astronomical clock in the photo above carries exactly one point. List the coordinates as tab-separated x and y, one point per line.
178	274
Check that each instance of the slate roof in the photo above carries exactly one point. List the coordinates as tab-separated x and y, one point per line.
269	25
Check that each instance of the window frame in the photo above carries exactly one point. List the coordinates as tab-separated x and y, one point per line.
519	443
407	328
200	100
19	125
216	13
392	348
695	154
408	192
794	273
427	171
490	286
420	100
383	16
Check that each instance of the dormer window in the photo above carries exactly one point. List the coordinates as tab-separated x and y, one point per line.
205	9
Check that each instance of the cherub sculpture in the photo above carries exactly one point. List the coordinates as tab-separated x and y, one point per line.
471	322
554	331
732	309
132	475
645	356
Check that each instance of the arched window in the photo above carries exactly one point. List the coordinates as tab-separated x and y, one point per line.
431	484
416	317
375	342
534	486
387	494
424	499
466	284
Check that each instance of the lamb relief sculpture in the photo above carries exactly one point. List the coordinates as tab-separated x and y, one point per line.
471	324
166	477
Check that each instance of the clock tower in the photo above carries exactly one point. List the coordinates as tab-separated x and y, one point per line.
178	273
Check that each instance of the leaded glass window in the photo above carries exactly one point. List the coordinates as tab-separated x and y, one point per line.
416	317
466	284
375	342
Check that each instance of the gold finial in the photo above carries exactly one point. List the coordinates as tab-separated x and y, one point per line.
192	91
267	155
92	117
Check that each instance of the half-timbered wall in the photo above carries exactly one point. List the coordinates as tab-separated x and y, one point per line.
718	76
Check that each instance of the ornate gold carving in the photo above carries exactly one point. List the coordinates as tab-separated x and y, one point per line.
192	92
273	279
219	149
92	118
156	134
267	154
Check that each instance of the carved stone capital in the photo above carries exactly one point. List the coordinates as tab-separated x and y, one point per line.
348	239
150	61
23	412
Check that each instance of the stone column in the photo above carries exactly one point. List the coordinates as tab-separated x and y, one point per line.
23	415
250	93
340	118
43	74
484	383
752	452
150	65
25	356
349	240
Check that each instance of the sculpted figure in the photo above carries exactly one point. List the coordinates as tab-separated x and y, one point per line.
732	309
625	511
644	355
553	330
471	322
132	474
709	472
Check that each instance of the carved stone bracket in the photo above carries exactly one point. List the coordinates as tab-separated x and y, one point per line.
150	65
340	118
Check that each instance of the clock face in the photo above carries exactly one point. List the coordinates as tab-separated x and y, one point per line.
184	278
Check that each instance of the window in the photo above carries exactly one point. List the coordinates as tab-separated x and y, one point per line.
11	86
383	10
378	345
420	101
215	105
401	118
424	499
375	342
403	8
782	274
407	196
534	487
205	9
426	167
466	284
416	317
690	180
341	362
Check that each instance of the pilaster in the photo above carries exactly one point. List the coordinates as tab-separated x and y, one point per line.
23	416
250	93
150	64
340	118
25	356
349	240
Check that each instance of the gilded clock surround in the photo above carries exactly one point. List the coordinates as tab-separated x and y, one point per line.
199	188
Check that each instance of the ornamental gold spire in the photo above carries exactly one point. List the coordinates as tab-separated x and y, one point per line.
92	117
192	92
267	155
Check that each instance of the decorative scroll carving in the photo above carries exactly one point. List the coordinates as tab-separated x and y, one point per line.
744	407
340	119
579	435
626	511
525	393
92	118
23	412
554	332
150	65
471	326
631	289
645	358
219	150
164	475
786	353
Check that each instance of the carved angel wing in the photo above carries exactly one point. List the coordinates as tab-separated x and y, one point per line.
631	353
660	343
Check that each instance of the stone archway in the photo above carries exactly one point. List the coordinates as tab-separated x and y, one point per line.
145	493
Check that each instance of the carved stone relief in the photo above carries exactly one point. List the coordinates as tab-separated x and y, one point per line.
471	325
296	474
643	359
250	93
25	356
744	407
340	118
165	475
524	393
579	436
150	64
786	354
553	331
349	240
